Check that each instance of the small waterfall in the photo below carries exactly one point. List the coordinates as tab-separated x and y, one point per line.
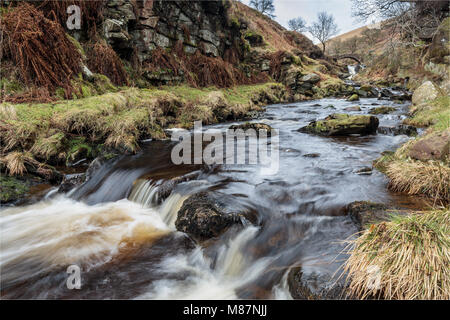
352	69
169	209
145	192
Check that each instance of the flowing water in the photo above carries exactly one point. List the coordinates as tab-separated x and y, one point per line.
120	230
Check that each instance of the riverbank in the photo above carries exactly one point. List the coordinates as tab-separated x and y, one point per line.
407	255
39	136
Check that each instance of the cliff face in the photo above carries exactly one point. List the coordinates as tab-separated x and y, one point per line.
145	25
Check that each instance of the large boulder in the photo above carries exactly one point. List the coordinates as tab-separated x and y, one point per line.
426	92
432	147
203	216
339	124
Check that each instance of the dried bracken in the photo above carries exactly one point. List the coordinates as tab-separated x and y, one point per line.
101	58
39	47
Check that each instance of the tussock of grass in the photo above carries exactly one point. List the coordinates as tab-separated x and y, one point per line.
15	162
430	178
406	258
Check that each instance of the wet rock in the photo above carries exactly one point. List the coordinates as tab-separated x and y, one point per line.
342	124
426	92
354	108
354	97
203	216
366	171
97	163
315	286
382	110
365	213
166	188
432	147
255	126
71	181
399	96
312	155
397	130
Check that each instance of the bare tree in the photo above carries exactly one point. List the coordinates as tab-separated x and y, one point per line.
324	28
264	6
297	24
367	9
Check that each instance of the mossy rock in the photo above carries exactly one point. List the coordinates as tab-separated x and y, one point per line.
254	126
354	97
382	110
12	189
339	124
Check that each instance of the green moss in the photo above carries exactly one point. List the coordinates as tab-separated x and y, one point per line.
12	189
382	110
76	44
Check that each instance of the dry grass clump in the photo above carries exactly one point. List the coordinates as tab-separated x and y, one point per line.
101	58
15	162
406	258
39	47
430	178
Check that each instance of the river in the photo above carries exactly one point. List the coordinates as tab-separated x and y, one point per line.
123	237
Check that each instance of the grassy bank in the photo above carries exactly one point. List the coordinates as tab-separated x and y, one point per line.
431	177
67	130
408	257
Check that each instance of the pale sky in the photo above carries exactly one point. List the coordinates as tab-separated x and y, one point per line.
308	9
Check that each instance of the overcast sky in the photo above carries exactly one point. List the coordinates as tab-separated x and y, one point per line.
308	9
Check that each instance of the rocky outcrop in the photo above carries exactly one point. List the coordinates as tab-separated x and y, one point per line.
147	24
343	124
203	216
353	97
432	147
